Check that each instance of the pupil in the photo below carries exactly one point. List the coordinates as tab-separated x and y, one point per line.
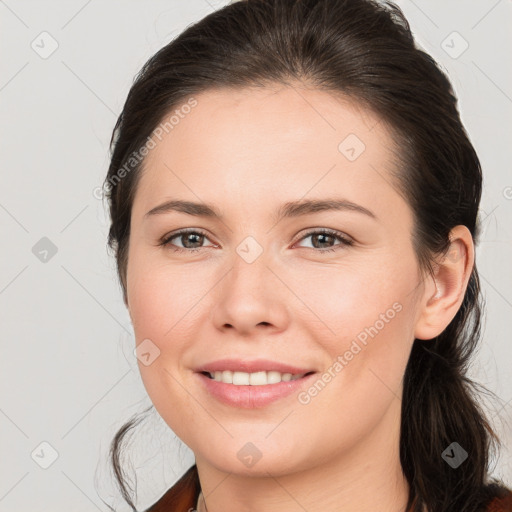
321	235
190	236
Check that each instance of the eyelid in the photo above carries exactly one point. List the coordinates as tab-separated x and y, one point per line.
329	231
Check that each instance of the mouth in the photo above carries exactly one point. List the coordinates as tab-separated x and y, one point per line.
261	378
256	390
252	383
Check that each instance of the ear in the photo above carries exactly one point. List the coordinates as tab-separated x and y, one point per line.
445	291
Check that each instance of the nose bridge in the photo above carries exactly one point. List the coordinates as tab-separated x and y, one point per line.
249	295
250	264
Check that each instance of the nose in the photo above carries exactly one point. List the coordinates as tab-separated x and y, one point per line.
251	299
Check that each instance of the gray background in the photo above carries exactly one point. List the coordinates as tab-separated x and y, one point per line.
68	374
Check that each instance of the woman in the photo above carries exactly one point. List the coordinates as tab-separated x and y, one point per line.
294	212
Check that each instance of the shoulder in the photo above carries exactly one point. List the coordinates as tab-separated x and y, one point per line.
182	496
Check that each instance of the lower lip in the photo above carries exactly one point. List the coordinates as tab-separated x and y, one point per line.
252	397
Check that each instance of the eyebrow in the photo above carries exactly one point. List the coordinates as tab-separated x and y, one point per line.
287	210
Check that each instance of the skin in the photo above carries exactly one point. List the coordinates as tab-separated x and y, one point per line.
247	152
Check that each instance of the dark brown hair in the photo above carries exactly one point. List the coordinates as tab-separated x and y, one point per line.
363	50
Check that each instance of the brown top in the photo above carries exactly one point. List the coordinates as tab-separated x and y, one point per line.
183	496
501	504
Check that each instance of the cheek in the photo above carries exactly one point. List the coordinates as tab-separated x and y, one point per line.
159	295
160	308
364	318
348	301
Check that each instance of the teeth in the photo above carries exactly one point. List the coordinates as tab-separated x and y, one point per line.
253	379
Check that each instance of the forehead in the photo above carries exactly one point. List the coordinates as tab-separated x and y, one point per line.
275	119
266	142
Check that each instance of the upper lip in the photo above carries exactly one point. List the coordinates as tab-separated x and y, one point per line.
252	366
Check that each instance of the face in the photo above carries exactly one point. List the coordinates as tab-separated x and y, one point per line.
333	291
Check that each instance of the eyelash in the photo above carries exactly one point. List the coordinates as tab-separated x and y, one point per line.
166	241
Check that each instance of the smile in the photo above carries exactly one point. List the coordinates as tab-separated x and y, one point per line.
261	378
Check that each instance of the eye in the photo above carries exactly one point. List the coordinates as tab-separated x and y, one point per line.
324	236
188	236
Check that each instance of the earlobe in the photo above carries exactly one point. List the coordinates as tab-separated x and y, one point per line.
450	280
